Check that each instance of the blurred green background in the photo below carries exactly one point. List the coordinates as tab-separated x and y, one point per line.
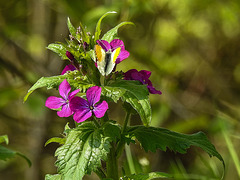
192	48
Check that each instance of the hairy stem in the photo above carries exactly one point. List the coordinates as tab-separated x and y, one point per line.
112	164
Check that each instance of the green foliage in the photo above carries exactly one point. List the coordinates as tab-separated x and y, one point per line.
59	48
53	177
112	33
152	138
6	153
133	93
98	27
149	176
74	78
55	140
4	138
71	28
112	131
85	147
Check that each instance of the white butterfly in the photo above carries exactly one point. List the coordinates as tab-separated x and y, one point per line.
106	60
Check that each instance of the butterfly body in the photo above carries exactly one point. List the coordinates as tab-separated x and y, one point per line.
106	60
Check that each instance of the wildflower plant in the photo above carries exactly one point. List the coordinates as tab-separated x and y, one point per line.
86	87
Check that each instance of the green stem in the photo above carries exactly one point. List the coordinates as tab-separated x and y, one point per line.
112	165
121	143
96	123
128	116
130	159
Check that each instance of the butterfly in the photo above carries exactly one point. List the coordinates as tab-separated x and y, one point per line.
106	60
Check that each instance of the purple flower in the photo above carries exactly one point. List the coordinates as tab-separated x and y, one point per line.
114	44
84	108
69	67
143	77
56	102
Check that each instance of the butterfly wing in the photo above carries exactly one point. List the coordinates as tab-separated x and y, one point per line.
101	62
111	60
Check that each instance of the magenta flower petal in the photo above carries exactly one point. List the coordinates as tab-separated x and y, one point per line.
146	74
115	43
64	89
65	112
143	77
152	90
138	77
78	103
69	67
53	102
72	94
123	55
82	115
104	44
100	109
128	74
93	95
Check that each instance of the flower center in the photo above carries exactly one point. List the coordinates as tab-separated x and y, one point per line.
91	108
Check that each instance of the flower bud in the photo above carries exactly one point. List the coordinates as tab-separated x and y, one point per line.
70	56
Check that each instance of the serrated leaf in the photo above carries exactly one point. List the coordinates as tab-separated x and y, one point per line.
60	49
4	138
149	176
74	79
6	153
55	140
134	93
112	131
113	93
53	177
98	27
80	156
152	138
112	33
71	28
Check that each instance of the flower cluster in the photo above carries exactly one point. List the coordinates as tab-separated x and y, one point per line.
71	104
143	77
82	109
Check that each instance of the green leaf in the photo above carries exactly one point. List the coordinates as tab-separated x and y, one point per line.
152	138
56	140
112	33
98	27
53	177
114	93
60	49
6	153
71	28
82	152
4	138
112	131
73	77
134	93
84	34
149	176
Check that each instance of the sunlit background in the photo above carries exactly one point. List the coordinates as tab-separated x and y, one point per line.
192	48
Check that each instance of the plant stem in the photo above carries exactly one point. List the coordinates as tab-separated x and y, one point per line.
96	123
121	143
128	116
130	159
112	165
